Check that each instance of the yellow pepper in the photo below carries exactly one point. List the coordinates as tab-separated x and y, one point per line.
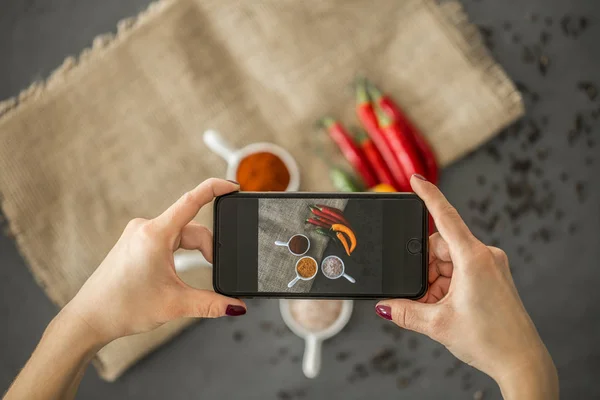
383	188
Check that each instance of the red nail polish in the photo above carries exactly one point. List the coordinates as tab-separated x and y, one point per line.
421	177
384	312
234	311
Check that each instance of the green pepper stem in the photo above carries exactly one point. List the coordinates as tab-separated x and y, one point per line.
362	95
326	122
359	134
373	91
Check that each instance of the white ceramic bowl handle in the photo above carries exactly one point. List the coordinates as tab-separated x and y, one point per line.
351	279
293	281
215	143
280	243
311	364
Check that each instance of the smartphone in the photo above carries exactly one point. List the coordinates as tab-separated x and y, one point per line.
320	245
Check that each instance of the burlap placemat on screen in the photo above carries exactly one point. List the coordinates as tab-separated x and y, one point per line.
116	132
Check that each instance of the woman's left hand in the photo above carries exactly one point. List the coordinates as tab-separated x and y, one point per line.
136	289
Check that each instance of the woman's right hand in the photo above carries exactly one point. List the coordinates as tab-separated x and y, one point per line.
472	307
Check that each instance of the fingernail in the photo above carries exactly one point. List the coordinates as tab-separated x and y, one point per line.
421	177
234	182
234	311
384	312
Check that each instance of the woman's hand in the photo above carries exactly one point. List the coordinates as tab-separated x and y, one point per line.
136	288
472	307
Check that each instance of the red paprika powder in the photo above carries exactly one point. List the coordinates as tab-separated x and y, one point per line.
262	171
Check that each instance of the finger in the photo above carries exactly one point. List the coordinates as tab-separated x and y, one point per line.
185	209
207	304
449	223
408	314
437	290
439	269
197	237
438	248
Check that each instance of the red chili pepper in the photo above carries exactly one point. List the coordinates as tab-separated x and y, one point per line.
336	210
351	151
324	217
424	148
402	145
335	213
377	164
316	222
328	221
366	115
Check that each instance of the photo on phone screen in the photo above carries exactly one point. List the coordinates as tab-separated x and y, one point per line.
325	246
333	245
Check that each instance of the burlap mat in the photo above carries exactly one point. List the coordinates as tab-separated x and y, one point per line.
280	221
116	132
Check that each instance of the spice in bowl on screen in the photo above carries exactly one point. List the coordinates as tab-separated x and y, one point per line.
298	244
261	172
306	267
332	267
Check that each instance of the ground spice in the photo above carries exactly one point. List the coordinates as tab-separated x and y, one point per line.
332	267
298	245
262	172
306	267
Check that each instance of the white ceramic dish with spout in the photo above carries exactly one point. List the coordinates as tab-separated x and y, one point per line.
218	145
311	363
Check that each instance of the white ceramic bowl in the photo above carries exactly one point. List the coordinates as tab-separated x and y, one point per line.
218	145
311	363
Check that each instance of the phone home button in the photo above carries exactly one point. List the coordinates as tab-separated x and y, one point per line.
414	246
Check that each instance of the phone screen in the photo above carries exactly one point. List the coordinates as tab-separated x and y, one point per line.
320	245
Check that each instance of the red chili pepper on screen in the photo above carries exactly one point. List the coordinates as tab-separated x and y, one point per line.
377	164
327	220
336	210
350	150
420	143
366	115
333	213
323	216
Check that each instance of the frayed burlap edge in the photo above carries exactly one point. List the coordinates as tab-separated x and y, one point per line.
37	90
100	44
464	32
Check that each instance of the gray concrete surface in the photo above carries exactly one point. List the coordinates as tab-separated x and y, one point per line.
530	191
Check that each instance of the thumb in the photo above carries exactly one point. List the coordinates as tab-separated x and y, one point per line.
408	314
208	304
